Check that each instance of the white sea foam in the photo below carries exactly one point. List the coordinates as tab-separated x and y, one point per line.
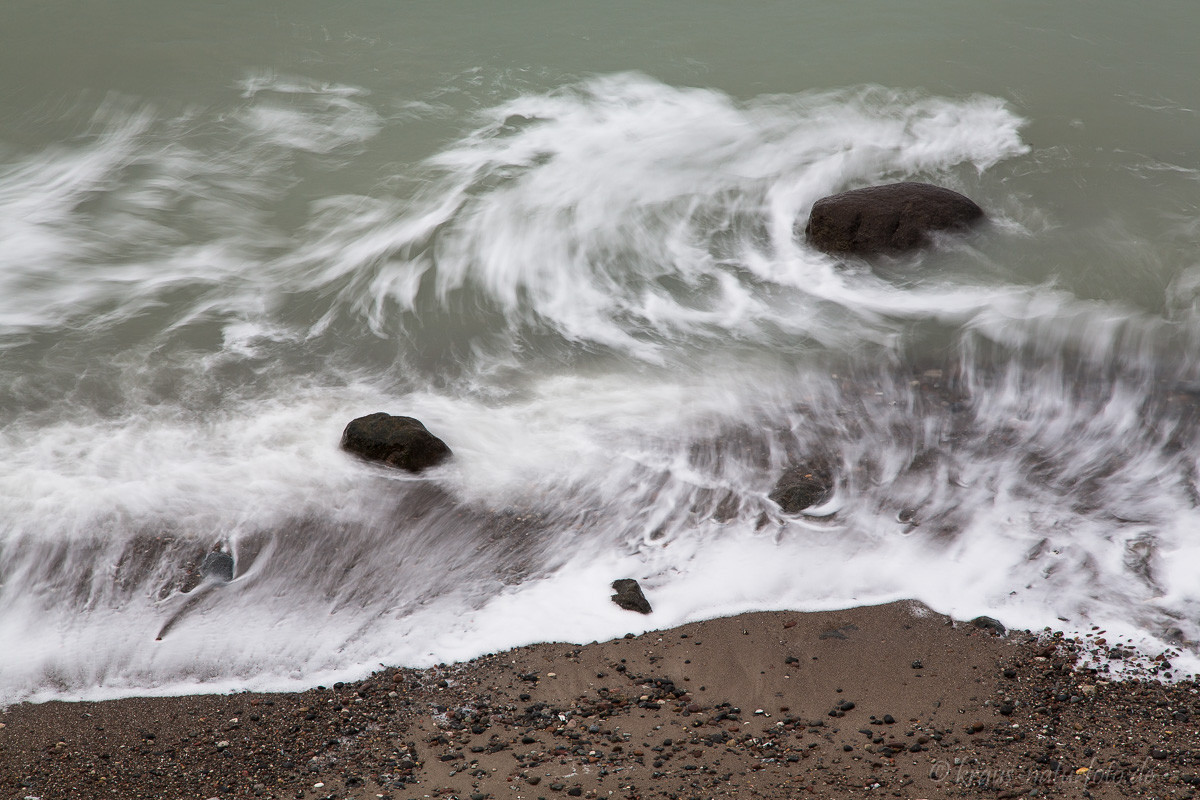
629	214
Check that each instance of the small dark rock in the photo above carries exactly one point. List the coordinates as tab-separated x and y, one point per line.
400	442
989	624
629	596
801	487
890	219
218	567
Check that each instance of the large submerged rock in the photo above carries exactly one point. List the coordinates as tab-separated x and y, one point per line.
887	220
400	442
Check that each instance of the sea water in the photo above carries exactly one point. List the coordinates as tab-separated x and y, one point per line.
569	239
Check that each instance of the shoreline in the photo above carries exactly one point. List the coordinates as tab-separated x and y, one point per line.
890	700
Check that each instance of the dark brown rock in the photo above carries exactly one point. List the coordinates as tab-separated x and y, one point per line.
801	487
889	219
629	596
400	442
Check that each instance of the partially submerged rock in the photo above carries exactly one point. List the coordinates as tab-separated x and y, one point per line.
801	487
990	624
629	596
889	219
217	566
400	442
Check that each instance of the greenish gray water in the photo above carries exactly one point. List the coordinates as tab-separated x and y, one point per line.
563	236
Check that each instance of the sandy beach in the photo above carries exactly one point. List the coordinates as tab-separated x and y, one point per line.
892	701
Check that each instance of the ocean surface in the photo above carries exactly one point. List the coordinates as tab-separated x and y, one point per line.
568	238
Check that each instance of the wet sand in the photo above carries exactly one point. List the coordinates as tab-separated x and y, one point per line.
885	701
